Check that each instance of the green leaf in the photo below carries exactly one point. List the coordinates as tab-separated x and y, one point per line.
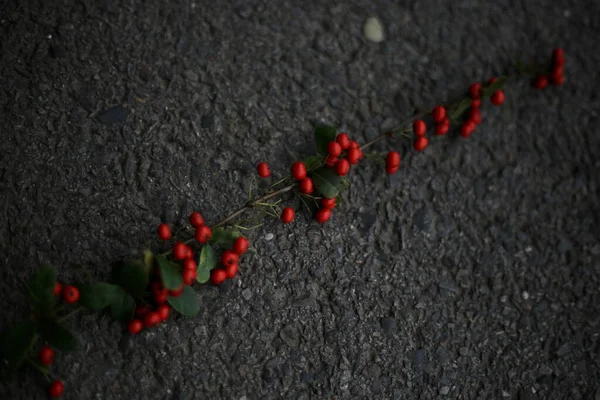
41	287
122	306
313	162
148	260
206	262
97	296
171	277
498	85
460	109
133	276
186	303
17	343
328	183
223	236
323	135
58	336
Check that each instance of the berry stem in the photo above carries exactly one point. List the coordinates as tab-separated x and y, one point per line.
69	315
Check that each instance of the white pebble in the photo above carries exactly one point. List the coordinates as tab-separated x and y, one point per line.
269	236
373	30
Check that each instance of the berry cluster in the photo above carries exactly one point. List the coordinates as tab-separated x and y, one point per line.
557	71
229	262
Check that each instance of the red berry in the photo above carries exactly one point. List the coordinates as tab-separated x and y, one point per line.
438	114
475	115
334	149
189	265
421	143
46	355
497	98
189	253
391	170
475	90
231	271
70	294
306	185
331	161
263	170
176	292
161	297
163	312
298	170
467	129
540	82
57	289
57	388
343	140
442	128
287	215
157	287
196	219
419	127
342	167
492	80
353	155
475	103
323	215
558	56
141	310
135	326
229	257
392	159
203	234
217	276
557	70
240	245
188	276
328	203
151	319
558	80
164	232
179	251
354	144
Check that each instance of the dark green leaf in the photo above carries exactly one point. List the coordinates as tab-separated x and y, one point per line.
206	262
186	303
58	336
97	296
41	287
133	276
17	343
224	237
122	306
313	162
498	85
171	276
323	135
327	182
460	109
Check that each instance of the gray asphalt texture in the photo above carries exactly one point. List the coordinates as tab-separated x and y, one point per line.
473	273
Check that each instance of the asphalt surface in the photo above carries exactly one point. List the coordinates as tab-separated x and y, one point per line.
473	273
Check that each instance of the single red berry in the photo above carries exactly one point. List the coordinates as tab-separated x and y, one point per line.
188	276
196	219
179	251
492	80
57	388
392	159
476	103
442	128
163	311
306	185
298	170
229	257
558	56
217	276
331	161
421	143
323	215
135	326
287	215
164	232
353	155
540	82
334	149
438	114
497	98
263	170
151	319
419	127
475	115
343	140
70	294
475	90
157	287
203	234
46	355
231	271
558	80
177	292
142	310
189	265
57	289
354	144
342	167
467	129
189	253
161	297
240	245
557	70
328	203
391	170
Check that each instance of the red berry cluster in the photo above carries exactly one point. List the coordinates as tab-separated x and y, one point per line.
557	71
69	293
229	260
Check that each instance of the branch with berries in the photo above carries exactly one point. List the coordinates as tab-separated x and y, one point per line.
143	292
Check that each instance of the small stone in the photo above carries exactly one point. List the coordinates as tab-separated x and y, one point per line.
191	75
563	350
373	30
420	358
464	351
113	115
389	324
423	219
269	237
444	390
247	294
207	121
289	335
442	355
448	284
